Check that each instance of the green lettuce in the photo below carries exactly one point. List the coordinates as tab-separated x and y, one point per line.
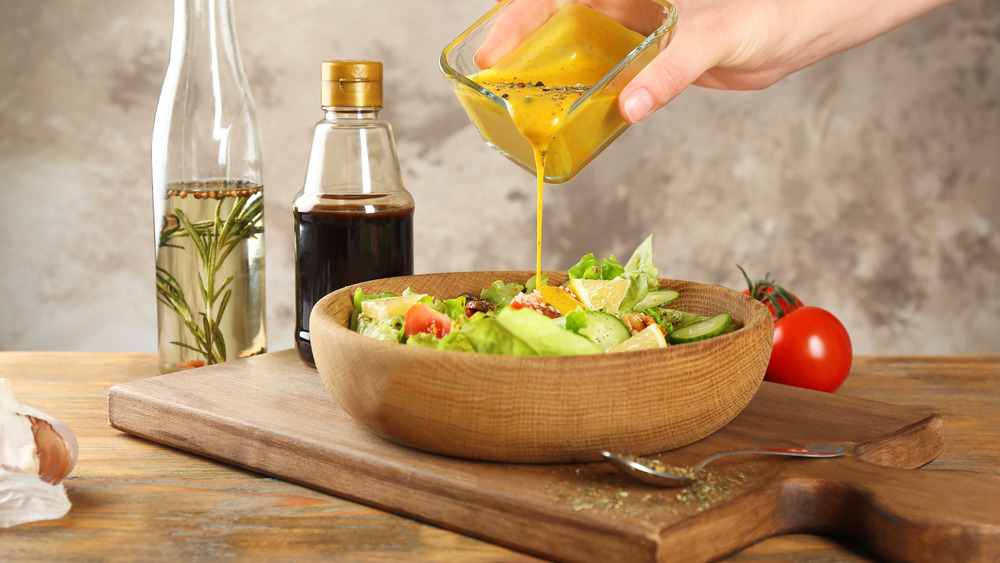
524	332
642	273
521	332
454	308
455	341
532	283
390	330
359	298
500	294
590	268
642	262
488	336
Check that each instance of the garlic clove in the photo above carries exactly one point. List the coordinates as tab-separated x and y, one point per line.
36	453
32	441
57	449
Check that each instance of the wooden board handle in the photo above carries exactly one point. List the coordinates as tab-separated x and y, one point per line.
900	514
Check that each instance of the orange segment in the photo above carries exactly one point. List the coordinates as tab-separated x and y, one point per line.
560	300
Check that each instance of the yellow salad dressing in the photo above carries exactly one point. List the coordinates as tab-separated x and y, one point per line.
545	74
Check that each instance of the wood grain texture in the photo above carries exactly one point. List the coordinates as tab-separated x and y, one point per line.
541	409
135	499
275	417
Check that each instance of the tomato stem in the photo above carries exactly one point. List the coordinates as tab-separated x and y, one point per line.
778	297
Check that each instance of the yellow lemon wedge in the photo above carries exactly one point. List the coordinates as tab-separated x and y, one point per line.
385	308
600	295
559	299
648	338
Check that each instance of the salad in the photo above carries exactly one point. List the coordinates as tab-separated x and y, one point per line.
604	307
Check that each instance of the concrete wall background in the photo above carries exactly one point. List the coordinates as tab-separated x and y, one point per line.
869	183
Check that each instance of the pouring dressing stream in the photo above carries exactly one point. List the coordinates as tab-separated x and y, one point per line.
542	77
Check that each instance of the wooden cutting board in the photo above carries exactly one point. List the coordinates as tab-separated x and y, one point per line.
271	414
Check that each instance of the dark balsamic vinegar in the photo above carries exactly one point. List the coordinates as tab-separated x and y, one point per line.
341	245
353	217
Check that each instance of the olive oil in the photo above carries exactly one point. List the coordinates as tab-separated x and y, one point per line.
209	272
208	202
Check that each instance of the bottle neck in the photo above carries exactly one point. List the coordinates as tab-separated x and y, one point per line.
353	157
206	123
339	113
205	34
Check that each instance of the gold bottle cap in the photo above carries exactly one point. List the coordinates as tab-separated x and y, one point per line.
352	84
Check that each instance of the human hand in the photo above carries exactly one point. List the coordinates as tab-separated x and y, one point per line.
722	44
523	17
751	44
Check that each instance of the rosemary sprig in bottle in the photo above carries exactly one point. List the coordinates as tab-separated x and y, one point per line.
213	240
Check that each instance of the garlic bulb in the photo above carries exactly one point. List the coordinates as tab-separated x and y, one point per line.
36	453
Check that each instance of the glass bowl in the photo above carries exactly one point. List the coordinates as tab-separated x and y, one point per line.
593	121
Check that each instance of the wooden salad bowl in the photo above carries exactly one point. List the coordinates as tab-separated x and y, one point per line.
531	409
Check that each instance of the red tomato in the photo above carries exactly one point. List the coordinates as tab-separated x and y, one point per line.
811	349
534	301
423	318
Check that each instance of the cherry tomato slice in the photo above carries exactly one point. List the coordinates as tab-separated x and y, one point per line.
534	301
423	318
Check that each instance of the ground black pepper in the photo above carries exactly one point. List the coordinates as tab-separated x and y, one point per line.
553	92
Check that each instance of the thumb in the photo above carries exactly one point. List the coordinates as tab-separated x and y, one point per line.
666	76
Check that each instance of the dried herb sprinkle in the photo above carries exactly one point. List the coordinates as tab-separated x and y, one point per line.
611	494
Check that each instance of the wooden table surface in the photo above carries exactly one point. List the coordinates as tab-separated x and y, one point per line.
137	500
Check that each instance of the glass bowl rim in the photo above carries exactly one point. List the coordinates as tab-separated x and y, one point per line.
664	28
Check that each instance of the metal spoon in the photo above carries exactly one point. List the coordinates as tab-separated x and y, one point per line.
650	476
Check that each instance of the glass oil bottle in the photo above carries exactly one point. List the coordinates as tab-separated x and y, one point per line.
353	217
207	196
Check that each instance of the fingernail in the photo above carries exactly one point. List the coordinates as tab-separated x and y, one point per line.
638	105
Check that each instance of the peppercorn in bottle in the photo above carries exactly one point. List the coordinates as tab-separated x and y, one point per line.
208	196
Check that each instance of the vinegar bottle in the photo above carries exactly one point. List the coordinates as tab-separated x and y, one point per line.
353	217
207	196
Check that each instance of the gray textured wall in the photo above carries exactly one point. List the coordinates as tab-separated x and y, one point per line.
868	183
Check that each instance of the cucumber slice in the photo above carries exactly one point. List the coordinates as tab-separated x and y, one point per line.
679	319
656	298
713	326
603	329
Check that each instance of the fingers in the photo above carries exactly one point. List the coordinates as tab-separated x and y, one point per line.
674	69
511	26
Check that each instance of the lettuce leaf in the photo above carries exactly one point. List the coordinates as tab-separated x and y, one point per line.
360	297
454	341
390	330
590	268
642	273
500	294
637	290
532	283
488	336
642	262
455	308
543	335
